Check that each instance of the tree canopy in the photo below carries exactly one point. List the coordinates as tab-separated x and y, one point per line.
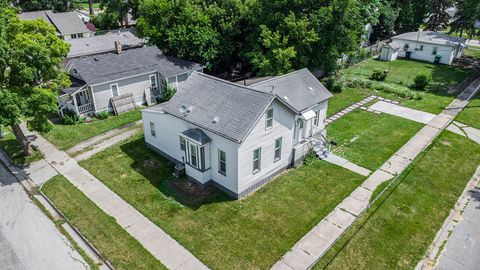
54	5
30	72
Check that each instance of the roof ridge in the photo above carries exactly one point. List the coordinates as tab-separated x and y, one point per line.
279	77
231	83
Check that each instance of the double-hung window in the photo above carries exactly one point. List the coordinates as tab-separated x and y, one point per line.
435	50
278	149
316	119
222	162
182	144
194	155
114	89
152	129
269	118
257	157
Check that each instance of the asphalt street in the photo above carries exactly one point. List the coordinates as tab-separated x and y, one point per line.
28	239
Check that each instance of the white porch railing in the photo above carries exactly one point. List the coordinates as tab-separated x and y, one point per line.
85	108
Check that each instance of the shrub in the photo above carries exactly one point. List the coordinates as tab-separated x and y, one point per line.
397	90
169	92
333	84
71	118
355	83
379	75
310	157
421	81
102	115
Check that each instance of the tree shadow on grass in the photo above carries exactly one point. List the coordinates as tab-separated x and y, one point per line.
159	172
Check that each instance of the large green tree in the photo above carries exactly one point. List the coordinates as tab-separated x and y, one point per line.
438	18
468	11
30	73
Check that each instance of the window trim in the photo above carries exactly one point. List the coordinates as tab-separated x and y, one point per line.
220	161
435	50
267	119
153	131
118	89
194	146
156	81
259	159
275	148
316	120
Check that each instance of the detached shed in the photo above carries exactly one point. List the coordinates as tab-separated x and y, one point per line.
390	52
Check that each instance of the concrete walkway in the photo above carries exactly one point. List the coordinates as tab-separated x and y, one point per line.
339	161
151	237
107	143
308	250
100	138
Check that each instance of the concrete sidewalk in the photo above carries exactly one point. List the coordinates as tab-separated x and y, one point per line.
163	247
339	161
308	250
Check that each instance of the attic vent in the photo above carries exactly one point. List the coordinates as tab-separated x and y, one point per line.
310	89
215	120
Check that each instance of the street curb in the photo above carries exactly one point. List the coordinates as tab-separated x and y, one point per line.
31	188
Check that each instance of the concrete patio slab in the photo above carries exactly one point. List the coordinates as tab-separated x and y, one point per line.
401	111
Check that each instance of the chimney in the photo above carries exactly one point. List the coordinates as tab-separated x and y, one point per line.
118	47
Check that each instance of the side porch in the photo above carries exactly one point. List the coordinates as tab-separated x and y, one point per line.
76	99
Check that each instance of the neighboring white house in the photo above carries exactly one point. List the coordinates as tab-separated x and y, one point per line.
427	46
143	72
237	137
67	24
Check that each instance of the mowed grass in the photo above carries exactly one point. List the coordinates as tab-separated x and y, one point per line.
113	242
67	136
402	72
398	234
252	233
471	113
368	139
12	148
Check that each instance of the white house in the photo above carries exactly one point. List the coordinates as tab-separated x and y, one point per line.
237	137
427	46
142	73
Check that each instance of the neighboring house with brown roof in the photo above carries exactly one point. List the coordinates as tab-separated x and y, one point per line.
239	137
67	24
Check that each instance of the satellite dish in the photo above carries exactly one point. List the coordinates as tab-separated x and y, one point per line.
183	109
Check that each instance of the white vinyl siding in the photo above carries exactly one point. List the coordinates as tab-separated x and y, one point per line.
257	160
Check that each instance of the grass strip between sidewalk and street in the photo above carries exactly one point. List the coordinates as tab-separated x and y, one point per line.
396	232
113	242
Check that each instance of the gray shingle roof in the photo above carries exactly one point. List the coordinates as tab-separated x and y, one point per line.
300	89
431	37
102	44
237	108
112	66
65	22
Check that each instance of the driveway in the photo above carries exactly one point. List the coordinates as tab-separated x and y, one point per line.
28	239
463	247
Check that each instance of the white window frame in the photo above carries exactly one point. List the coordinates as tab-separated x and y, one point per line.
220	161
268	119
279	149
156	81
111	89
153	132
435	50
259	159
183	143
316	120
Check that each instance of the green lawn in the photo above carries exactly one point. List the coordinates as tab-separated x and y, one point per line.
252	233
472	51
12	148
398	234
471	114
368	139
66	136
113	242
402	72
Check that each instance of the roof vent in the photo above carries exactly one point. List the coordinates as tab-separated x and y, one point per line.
95	58
285	97
215	120
310	89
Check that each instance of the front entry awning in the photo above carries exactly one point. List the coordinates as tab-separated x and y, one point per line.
196	135
308	115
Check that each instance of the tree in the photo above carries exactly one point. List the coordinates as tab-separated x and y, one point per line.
182	29
30	73
387	15
468	11
438	18
121	9
54	5
411	14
